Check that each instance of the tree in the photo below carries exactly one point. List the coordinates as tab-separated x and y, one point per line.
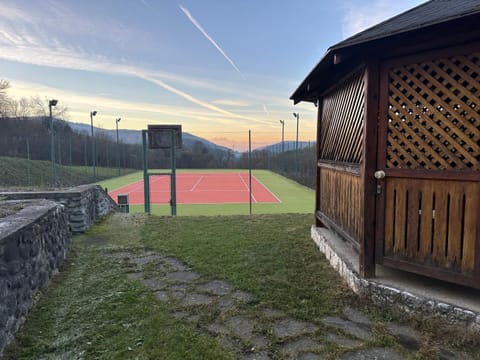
4	99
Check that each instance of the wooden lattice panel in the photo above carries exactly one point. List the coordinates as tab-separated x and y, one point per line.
342	122
434	114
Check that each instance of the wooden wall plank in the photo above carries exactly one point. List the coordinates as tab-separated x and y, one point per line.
471	228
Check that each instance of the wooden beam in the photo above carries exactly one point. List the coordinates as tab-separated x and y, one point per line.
354	169
367	244
337	229
318	222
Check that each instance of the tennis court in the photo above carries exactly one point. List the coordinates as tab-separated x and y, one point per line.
200	188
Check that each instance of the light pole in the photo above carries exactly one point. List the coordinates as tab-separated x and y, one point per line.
297	116
283	135
51	103
92	114
118	148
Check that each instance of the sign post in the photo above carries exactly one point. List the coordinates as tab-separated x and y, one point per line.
146	177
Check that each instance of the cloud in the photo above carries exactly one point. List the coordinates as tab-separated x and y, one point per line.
357	16
209	38
19	42
229	102
138	113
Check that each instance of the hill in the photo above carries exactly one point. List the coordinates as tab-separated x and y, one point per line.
288	146
135	137
23	173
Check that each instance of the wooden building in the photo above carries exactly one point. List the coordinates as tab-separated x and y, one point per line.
398	141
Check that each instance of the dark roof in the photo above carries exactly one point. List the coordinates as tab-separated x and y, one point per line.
425	15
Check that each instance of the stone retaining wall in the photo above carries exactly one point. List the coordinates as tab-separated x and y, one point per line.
84	204
384	295
33	244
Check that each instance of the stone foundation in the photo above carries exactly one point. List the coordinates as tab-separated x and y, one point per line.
390	296
84	204
33	245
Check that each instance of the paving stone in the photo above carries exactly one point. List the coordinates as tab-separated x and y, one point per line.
310	356
226	304
154	284
230	343
135	276
161	295
291	327
348	326
301	345
272	313
179	287
258	342
178	292
242	296
217	329
262	355
215	287
146	259
182	276
196	299
343	340
177	295
241	327
175	264
406	336
356	316
375	353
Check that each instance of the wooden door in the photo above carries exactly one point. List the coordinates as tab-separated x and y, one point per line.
429	165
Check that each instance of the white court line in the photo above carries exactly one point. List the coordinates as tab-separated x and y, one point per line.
140	185
196	184
266	188
246	186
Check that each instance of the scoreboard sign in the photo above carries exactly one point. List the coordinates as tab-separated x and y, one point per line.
160	136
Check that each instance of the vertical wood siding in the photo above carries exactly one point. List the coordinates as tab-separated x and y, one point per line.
432	222
341	199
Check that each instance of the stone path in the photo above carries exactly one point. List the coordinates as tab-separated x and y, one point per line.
238	322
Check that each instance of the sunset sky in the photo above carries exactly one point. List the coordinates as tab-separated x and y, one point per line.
218	67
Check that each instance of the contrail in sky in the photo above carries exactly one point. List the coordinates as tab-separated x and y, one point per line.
266	110
209	38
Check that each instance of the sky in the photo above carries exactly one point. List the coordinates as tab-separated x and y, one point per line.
217	67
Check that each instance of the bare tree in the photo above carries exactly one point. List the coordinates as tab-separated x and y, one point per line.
39	107
4	99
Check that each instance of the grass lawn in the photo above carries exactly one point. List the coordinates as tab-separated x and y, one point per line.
295	198
31	174
93	311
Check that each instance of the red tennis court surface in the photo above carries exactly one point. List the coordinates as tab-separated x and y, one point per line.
197	188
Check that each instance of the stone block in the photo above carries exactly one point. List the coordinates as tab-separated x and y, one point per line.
15	266
34	248
11	251
3	316
4	286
